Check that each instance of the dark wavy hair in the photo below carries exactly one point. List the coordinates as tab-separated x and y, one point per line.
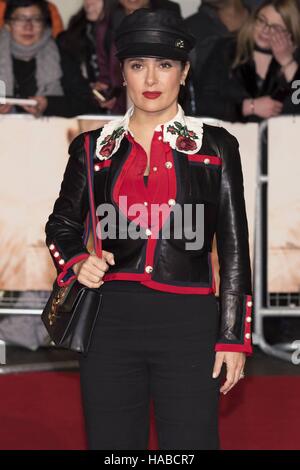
12	5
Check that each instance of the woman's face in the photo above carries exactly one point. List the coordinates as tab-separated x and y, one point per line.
27	25
267	23
93	9
153	83
132	5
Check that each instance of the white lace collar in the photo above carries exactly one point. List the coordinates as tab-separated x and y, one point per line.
183	133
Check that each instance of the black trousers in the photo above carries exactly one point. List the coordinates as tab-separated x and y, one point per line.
152	345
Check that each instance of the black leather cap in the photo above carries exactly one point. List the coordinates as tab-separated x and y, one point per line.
153	33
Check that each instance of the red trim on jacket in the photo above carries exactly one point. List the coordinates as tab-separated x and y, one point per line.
68	265
177	289
102	164
146	280
212	273
213	159
124	277
234	348
94	218
247	346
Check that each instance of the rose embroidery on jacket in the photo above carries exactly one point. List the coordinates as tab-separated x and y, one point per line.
186	139
109	142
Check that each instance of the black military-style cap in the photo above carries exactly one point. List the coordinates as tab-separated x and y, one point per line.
153	33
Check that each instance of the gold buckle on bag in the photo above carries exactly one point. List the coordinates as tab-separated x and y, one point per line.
52	316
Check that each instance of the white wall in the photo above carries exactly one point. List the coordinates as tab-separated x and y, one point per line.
67	8
188	7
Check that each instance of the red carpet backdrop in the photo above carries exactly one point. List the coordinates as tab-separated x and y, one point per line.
43	411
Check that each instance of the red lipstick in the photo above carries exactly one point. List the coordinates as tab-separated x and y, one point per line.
152	95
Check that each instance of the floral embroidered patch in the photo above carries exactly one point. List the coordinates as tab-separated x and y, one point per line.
109	143
186	138
182	133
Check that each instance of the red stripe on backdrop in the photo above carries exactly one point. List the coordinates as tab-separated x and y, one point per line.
43	411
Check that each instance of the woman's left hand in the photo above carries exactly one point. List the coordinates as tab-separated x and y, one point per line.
109	104
235	362
282	47
40	108
99	86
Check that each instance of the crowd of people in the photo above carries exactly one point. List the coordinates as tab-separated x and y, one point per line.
243	66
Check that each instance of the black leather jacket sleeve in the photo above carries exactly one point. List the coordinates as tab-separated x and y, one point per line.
235	293
65	226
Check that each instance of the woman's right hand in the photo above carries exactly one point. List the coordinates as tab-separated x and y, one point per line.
5	108
264	107
40	108
90	271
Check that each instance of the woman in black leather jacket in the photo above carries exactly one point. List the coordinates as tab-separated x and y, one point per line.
161	333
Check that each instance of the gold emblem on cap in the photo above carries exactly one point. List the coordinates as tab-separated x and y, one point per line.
179	43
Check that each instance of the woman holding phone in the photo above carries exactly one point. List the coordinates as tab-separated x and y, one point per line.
161	332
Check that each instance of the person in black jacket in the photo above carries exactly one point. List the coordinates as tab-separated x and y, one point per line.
87	34
32	66
121	8
213	20
250	78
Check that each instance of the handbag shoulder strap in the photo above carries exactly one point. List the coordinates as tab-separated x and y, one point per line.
94	218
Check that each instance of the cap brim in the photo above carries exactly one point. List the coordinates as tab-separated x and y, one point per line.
152	50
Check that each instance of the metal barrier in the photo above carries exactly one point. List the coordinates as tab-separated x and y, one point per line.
262	305
32	303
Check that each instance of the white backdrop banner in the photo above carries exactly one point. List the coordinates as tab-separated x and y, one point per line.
284	205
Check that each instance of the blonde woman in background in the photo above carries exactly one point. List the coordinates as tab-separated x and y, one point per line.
250	78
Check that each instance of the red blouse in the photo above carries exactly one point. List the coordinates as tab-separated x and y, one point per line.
158	189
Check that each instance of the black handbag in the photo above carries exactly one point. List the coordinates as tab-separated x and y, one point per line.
71	311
